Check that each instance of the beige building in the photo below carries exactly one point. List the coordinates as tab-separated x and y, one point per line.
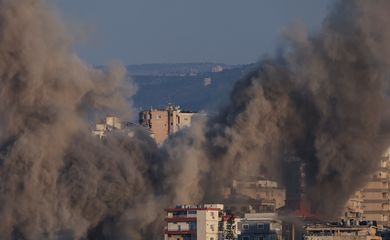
372	203
110	123
157	122
323	232
254	196
165	122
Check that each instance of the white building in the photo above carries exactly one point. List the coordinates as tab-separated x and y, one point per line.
188	222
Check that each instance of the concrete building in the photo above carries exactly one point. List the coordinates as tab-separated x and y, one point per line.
372	203
164	122
354	208
375	195
260	226
188	222
255	195
157	122
325	232
110	123
217	68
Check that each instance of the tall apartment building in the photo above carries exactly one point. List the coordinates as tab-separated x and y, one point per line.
375	195
164	122
187	222
372	203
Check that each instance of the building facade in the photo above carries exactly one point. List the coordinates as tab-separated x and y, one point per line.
188	222
260	226
255	195
372	203
323	232
110	123
164	122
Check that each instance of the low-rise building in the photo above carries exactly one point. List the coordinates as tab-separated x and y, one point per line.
255	195
217	68
324	232
260	226
108	124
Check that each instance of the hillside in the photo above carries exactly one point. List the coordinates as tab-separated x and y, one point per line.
203	91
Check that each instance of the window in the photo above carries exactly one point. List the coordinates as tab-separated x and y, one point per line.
245	226
212	215
260	226
260	238
384	195
245	238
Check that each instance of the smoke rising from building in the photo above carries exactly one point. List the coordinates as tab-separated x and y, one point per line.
322	100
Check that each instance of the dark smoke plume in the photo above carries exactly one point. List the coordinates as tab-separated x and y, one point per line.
322	100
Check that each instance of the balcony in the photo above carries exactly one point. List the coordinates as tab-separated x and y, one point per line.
180	232
180	219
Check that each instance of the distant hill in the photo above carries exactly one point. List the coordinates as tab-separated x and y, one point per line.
179	69
202	91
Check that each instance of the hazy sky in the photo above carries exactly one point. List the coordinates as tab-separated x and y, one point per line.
175	31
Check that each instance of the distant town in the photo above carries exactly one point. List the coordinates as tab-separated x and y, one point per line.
194	86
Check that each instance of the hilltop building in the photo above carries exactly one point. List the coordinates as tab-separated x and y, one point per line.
217	68
164	122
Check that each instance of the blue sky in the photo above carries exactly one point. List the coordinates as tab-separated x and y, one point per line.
177	31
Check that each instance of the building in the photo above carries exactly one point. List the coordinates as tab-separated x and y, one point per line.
164	122
375	195
260	226
255	195
354	208
217	68
189	222
372	202
110	123
327	232
157	122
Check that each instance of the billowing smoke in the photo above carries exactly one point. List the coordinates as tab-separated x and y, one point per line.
56	180
321	100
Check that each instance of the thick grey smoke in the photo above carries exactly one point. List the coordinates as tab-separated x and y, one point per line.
322	100
56	180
